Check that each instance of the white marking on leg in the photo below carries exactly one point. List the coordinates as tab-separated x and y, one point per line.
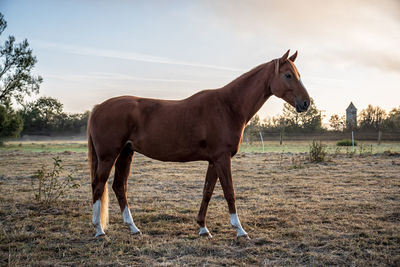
129	221
96	218
204	231
235	222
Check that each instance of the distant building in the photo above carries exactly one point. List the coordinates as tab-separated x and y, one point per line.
351	116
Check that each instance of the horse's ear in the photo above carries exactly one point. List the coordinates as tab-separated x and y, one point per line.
293	57
284	57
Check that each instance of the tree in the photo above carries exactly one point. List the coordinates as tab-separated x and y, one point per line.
309	121
10	122
337	123
253	127
43	115
17	62
393	119
372	117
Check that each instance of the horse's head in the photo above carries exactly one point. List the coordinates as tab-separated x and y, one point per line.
286	83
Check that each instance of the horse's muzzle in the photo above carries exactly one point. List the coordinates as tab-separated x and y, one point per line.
302	106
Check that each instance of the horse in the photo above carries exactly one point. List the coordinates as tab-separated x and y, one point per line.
206	126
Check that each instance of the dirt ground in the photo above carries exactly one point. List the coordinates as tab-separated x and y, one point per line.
345	211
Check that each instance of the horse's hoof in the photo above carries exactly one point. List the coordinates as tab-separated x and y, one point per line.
243	237
100	234
207	234
136	233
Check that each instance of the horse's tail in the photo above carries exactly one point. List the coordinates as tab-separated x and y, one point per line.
93	163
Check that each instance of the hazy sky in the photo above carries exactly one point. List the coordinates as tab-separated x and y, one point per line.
89	51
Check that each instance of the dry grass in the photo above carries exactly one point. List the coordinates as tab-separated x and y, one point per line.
343	212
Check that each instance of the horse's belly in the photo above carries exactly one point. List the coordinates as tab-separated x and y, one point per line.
167	150
178	155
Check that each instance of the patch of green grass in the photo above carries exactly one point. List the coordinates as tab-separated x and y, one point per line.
269	146
304	146
62	146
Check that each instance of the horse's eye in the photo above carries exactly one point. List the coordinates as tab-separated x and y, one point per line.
288	75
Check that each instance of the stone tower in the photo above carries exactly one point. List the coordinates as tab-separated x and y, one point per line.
351	116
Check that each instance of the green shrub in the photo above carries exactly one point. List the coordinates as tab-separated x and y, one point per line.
49	185
317	152
346	142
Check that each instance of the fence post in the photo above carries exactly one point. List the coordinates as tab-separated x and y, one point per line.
262	141
352	139
280	137
379	137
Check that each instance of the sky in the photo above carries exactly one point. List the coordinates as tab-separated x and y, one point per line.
89	51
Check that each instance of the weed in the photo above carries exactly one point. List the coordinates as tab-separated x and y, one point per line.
337	151
346	142
50	186
281	158
349	152
317	152
365	150
297	163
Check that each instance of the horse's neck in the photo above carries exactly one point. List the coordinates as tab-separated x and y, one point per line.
248	93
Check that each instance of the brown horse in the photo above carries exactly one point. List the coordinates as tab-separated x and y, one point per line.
206	126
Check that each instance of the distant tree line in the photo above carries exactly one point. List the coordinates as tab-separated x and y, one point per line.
45	116
370	119
290	122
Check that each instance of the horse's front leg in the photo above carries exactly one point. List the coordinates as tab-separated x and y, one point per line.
224	172
209	185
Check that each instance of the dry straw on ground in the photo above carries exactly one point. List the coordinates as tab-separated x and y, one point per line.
342	212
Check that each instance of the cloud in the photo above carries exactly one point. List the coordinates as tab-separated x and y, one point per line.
115	54
353	31
111	76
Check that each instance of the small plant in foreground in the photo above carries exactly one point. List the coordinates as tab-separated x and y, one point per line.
50	186
317	152
346	142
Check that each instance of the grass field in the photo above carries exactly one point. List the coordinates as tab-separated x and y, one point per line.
269	146
345	211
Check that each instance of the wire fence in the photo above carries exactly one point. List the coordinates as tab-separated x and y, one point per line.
378	136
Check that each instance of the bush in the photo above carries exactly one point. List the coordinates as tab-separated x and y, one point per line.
10	122
346	142
50	186
317	152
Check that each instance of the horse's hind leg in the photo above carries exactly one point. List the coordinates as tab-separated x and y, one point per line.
100	195
120	184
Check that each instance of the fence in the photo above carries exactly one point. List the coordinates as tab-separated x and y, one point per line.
326	136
